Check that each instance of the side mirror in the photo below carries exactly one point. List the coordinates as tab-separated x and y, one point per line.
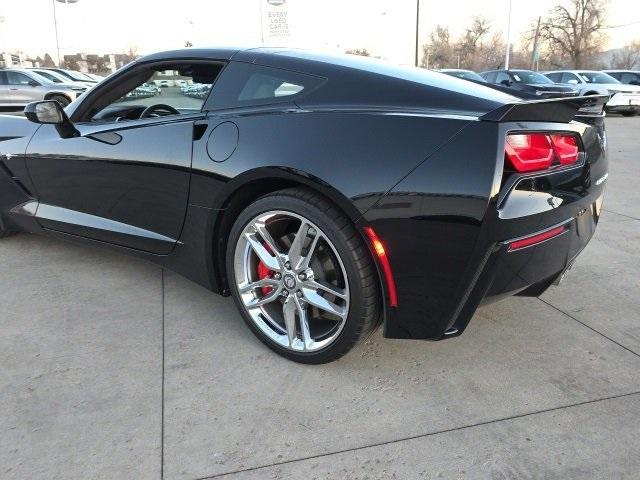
50	112
572	81
33	83
506	83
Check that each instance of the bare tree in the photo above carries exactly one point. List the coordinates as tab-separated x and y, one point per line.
628	57
363	52
438	53
574	31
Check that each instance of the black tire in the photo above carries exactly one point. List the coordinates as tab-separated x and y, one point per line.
364	307
61	99
628	114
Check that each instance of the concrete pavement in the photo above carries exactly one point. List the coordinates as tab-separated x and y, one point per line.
112	368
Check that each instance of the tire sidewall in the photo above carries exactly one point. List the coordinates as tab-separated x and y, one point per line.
353	328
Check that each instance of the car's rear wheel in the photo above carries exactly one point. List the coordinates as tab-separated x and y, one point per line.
302	277
61	99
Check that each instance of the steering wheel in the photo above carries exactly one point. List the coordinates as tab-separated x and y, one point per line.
158	109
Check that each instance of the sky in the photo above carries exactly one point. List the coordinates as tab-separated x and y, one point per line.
384	27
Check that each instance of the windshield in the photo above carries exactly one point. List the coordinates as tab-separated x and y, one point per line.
468	74
524	76
79	76
597	77
48	75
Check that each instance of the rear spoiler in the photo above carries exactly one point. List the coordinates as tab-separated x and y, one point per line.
550	110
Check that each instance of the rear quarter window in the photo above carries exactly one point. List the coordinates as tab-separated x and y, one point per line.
243	84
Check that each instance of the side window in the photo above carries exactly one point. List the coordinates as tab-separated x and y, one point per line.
566	77
17	78
554	77
3	78
246	84
626	77
490	77
501	77
177	89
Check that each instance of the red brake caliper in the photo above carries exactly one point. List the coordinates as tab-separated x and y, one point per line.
264	272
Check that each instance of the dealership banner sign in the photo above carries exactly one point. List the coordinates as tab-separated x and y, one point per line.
275	21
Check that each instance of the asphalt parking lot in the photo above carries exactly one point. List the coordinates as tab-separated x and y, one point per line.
112	368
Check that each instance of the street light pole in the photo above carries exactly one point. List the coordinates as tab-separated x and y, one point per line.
417	27
506	55
55	24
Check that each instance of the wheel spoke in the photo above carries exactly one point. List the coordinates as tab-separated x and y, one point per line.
295	252
327	287
312	247
258	302
270	261
289	312
265	282
314	298
304	324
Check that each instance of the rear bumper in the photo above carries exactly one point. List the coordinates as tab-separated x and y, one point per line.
446	264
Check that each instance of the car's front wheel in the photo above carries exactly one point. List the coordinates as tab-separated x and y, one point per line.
302	276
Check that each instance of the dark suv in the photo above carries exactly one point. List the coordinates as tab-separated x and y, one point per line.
529	83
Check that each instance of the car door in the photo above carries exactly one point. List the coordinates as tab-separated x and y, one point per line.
125	183
5	99
122	177
22	88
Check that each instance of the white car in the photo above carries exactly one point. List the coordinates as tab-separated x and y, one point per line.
625	99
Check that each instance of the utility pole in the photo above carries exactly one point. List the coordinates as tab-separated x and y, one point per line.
506	56
534	53
417	27
55	26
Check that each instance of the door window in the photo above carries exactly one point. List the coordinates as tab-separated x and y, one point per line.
568	77
628	77
177	89
501	77
17	78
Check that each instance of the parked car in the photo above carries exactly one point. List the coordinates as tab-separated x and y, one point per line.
625	99
55	77
628	77
460	73
529	82
20	86
322	217
72	75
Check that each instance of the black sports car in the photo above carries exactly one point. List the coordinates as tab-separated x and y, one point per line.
529	84
326	194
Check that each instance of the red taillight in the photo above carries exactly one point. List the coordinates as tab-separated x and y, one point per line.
566	148
530	152
381	253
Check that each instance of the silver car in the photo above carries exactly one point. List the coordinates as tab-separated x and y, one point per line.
20	86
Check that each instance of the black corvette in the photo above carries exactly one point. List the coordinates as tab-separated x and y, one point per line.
327	194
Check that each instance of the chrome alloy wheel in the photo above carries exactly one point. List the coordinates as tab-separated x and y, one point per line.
291	281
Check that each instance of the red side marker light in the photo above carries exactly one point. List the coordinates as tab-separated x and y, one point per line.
381	253
537	238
